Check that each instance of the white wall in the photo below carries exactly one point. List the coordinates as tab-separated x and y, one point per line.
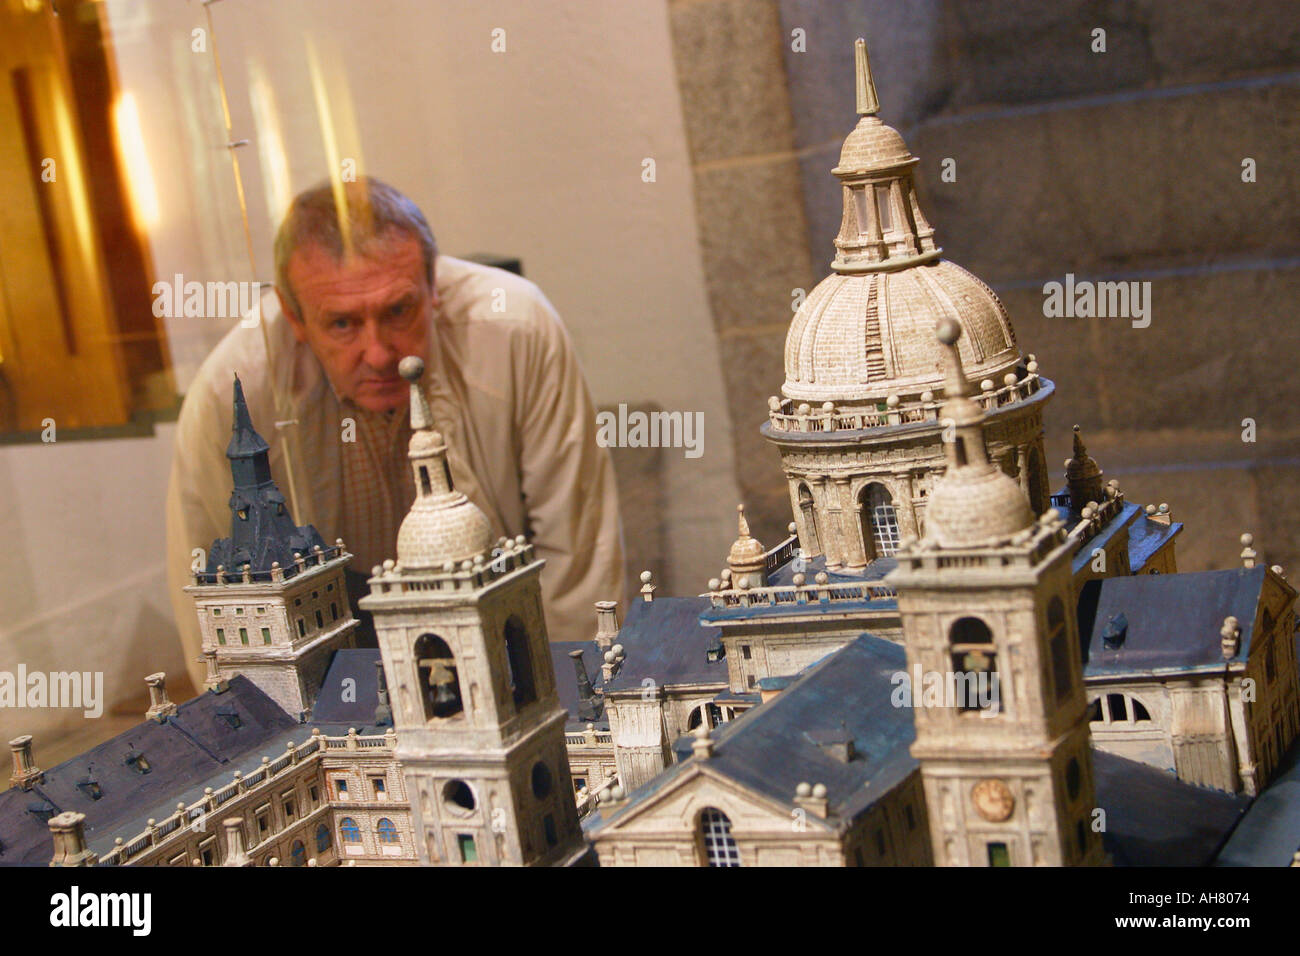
536	152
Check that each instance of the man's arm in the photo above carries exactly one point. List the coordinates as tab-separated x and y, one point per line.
567	480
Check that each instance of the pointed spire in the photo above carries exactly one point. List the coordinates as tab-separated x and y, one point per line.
245	442
868	101
742	524
966	447
411	368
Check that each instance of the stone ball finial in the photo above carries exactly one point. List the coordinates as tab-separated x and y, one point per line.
986	385
803	790
1009	379
948	330
792	527
773	403
927	396
714	584
1150	509
799	579
411	368
646	576
1247	540
819	791
822	577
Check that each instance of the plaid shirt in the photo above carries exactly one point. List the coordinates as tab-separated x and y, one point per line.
377	485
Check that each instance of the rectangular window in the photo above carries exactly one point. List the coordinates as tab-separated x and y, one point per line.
341	788
320	621
216	612
579	783
911	817
221	635
329	587
266	635
239	610
263	824
468	851
548	825
749	681
380	788
207	856
314	794
880	842
297	602
315	595
243	635
999	855
334	611
744	651
302	628
261	610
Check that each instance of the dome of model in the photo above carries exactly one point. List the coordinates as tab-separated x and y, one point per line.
970	507
437	531
873	145
864	337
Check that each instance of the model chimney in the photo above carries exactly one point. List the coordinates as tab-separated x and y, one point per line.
160	708
69	832
26	772
213	680
588	708
606	623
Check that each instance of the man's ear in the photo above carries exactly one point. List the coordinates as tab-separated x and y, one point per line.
295	321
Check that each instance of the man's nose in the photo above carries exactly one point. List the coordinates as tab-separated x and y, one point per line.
376	352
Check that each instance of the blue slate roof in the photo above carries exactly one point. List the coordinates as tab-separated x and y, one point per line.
1154	819
1173	620
1146	537
665	641
195	744
349	705
773	748
566	680
1270	832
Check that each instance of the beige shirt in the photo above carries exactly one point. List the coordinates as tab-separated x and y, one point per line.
507	393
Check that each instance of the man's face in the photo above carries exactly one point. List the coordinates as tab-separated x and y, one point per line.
362	316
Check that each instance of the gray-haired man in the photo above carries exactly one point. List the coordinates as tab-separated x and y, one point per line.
357	293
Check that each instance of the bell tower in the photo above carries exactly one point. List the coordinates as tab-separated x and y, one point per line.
985	601
463	639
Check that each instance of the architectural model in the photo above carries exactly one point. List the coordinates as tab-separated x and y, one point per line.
945	663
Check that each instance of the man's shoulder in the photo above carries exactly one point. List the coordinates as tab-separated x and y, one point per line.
487	298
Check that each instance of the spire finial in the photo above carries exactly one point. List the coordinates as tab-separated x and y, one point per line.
411	368
742	524
948	332
1079	449
868	101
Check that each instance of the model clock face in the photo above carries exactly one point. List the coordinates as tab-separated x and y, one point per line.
993	799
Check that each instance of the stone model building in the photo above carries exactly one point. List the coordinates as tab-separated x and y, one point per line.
944	663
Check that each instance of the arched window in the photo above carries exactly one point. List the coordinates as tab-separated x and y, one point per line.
298	854
879	522
439	684
974	665
813	544
323	838
1140	713
520	661
1059	648
349	830
715	835
386	830
706	711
